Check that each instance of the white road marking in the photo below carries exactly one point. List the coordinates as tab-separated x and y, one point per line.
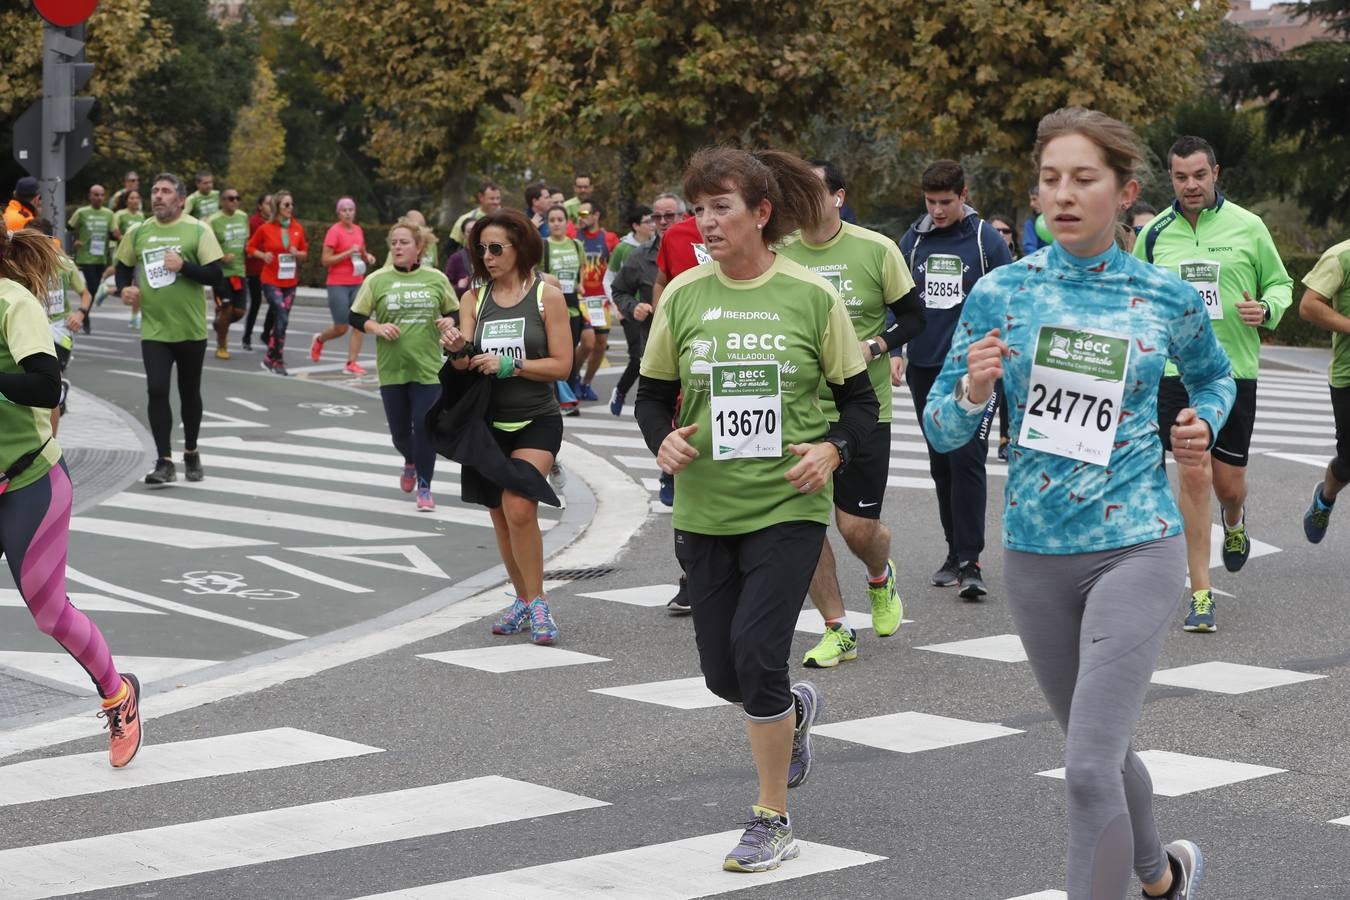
417	560
999	647
1229	678
389	459
181	538
1176	774
385	478
512	658
613	440
678	693
649	596
86	602
63	668
159	504
912	732
126	373
301	572
247	404
220	420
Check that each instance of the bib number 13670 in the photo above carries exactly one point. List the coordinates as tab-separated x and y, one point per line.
747	410
1074	394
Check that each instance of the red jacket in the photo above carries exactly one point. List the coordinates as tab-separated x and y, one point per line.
253	267
267	239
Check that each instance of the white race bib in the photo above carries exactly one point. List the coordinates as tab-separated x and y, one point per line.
595	311
943	287
567	284
701	254
504	337
747	410
285	266
1203	275
98	245
1073	399
156	275
358	264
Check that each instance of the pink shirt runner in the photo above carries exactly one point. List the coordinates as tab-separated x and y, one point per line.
339	239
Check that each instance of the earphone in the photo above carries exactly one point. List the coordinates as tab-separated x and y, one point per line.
838	202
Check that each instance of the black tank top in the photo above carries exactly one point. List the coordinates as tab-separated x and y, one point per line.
516	331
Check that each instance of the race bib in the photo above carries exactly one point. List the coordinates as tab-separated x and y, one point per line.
942	281
747	410
595	311
56	297
285	266
701	254
358	265
504	337
567	284
1203	275
1074	395
98	245
156	275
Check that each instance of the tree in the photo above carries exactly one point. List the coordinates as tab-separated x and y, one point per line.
258	145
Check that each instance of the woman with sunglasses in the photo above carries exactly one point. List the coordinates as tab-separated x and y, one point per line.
1006	229
522	338
346	258
405	305
280	244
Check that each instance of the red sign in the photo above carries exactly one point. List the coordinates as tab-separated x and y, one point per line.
65	13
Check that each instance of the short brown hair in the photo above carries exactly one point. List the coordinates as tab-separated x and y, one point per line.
1118	142
522	234
943	175
796	197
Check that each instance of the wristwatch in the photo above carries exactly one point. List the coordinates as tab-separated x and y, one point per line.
962	395
874	345
842	446
1265	306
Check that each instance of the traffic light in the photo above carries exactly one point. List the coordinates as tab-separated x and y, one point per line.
65	74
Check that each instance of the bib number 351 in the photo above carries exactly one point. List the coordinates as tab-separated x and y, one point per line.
747	410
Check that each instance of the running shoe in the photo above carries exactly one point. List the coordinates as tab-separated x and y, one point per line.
408	480
316	349
134	322
1236	545
679	604
354	368
192	466
616	398
808	702
425	503
972	585
573	410
1201	617
1318	516
557	478
247	344
836	645
887	607
586	392
543	630
163	473
1191	863
124	724
666	493
222	353
1003	450
514	620
948	575
767	841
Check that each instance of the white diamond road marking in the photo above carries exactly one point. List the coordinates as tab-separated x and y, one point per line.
1043	895
999	647
512	658
212	845
1259	548
231	754
1229	678
61	667
811	621
650	595
678	870
1177	774
679	693
912	732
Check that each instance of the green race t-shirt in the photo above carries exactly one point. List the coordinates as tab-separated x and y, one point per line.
93	229
202	206
1331	278
23	332
124	219
63	296
562	259
459	231
788	316
172	305
232	234
413	301
868	272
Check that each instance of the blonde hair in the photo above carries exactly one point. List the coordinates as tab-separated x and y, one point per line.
1118	142
276	205
28	257
422	236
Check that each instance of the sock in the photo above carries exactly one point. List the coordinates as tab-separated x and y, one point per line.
880	579
1323	501
769	813
842	622
1223	517
117	698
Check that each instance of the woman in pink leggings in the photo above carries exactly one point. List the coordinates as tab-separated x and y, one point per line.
35	490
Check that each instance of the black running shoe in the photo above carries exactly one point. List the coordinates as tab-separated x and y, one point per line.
192	466
679	604
948	575
972	585
164	472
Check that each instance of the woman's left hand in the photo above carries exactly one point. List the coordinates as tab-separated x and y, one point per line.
452	338
817	463
486	363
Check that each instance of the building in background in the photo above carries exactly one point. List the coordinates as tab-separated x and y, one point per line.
1278	24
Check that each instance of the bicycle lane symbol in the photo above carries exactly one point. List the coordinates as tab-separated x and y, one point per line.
341	410
229	584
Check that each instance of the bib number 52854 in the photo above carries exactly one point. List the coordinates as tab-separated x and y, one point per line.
1074	393
746	410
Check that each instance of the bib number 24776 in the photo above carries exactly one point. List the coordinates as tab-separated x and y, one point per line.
747	411
1075	391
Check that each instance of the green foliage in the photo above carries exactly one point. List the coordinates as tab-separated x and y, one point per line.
258	145
1293	331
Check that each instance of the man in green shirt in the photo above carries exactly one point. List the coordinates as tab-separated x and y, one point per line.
1227	254
205	203
230	227
583	188
489	198
870	276
173	258
92	226
1326	303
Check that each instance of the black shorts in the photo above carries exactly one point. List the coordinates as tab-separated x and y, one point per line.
544	433
860	486
1340	409
1235	437
62	356
227	294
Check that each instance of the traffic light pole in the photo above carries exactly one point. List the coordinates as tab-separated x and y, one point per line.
62	53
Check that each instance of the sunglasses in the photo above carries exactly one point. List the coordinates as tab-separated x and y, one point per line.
1003	230
230	197
665	217
492	249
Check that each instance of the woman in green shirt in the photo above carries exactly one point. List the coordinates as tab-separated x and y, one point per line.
563	258
126	213
748	339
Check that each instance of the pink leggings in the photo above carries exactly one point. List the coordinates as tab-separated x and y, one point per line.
34	534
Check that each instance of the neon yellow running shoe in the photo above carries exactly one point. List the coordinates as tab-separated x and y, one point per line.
835	646
887	608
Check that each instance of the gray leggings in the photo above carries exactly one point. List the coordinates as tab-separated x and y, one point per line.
1093	625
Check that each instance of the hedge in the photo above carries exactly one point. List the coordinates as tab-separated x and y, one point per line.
312	272
1293	331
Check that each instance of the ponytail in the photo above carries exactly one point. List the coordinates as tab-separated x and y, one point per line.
796	195
28	257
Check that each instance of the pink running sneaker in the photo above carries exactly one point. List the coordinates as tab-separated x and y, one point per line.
316	348
354	368
424	501
408	480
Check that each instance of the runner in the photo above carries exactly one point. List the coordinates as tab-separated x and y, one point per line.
63	317
1227	254
130	182
92	228
346	257
430	253
522	337
641	234
206	201
595	302
489	199
230	226
172	257
262	212
1080	331
280	244
949	250
866	270
35	489
563	259
127	212
749	339
404	305
582	189
25	205
1326	304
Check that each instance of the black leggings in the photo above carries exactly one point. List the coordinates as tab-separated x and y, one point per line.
160	358
636	333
